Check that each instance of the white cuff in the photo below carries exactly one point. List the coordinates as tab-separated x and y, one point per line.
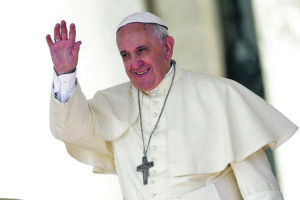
64	86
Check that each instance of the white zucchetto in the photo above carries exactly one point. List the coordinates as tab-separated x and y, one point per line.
141	17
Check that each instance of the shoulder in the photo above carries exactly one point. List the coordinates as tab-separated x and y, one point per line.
206	81
118	94
117	90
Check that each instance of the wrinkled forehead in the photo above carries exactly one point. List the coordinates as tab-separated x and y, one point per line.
134	35
135	27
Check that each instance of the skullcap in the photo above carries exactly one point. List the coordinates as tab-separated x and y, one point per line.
141	17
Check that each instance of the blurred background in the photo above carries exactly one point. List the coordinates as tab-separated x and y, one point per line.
256	43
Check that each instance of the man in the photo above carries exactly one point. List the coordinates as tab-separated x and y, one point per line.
168	133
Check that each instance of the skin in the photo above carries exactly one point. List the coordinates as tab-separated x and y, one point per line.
142	52
64	53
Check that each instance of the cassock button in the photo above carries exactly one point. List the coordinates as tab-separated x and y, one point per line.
153	147
154	102
155	114
153	172
153	195
154	92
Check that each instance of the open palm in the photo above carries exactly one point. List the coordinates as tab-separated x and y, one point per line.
64	51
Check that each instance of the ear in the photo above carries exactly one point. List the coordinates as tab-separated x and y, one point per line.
169	44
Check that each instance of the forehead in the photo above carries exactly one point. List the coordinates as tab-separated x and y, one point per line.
140	28
134	33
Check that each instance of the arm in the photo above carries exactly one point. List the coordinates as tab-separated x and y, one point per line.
72	122
71	119
255	178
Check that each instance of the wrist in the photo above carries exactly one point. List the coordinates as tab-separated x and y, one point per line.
64	82
58	73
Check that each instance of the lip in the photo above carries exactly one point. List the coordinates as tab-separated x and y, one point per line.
142	73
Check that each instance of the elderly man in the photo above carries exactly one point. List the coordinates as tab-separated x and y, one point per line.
168	133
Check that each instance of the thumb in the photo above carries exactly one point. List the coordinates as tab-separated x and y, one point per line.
76	47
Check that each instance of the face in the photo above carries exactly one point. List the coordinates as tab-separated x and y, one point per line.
145	57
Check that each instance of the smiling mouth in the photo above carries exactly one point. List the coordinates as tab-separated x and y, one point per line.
143	72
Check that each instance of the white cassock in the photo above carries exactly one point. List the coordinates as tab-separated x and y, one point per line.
208	144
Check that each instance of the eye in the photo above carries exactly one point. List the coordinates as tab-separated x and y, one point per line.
140	50
124	55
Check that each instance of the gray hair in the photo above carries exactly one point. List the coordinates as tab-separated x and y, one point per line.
159	31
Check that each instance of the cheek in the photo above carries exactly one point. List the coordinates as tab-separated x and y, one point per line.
127	66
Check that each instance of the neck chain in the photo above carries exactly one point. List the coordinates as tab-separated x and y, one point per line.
144	167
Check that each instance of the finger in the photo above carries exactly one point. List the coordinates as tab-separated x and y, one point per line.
49	41
56	32
76	48
72	33
64	35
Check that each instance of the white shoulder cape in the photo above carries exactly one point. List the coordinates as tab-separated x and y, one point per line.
219	121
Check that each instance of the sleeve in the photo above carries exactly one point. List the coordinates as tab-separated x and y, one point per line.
72	122
63	86
255	178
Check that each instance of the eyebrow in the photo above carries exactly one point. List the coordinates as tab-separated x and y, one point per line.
142	46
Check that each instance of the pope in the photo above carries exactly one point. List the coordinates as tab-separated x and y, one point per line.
168	133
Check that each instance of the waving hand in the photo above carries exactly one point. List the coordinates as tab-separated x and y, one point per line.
64	51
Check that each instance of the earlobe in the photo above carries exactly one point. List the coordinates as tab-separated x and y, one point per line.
169	44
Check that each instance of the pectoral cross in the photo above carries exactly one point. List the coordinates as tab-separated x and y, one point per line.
144	167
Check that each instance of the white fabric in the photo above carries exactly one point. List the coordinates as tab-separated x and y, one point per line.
128	152
268	195
220	117
141	17
63	86
259	181
189	156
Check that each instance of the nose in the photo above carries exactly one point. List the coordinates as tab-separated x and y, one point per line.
136	62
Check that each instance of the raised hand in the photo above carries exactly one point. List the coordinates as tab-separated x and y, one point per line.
64	51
